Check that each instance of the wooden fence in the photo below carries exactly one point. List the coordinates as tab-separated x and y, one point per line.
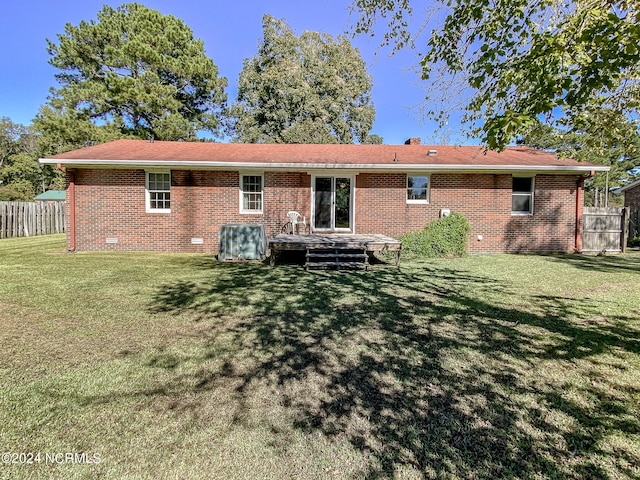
605	229
26	219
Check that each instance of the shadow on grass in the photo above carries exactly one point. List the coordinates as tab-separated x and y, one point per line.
422	371
602	263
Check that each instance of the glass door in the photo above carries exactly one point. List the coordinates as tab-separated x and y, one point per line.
342	211
323	202
332	201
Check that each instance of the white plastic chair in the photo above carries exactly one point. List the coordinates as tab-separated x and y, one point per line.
296	219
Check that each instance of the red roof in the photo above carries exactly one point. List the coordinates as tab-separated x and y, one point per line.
296	156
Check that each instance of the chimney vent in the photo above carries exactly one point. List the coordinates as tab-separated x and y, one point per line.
413	141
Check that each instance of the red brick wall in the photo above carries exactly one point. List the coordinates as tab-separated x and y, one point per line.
484	199
111	203
632	197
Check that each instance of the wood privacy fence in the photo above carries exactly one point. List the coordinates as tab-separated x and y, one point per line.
605	229
26	219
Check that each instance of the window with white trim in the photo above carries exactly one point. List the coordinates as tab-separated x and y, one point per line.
251	193
417	188
522	196
158	192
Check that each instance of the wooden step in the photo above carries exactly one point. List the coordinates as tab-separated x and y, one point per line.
336	264
336	247
331	256
337	255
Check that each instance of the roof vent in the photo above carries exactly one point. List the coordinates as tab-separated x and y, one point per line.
432	153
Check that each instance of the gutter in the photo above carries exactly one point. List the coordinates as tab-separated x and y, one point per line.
431	167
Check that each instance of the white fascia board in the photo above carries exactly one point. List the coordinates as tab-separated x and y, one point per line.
362	167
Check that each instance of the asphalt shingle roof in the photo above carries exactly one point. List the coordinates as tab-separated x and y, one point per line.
119	152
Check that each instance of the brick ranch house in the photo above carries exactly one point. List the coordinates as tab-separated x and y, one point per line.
174	196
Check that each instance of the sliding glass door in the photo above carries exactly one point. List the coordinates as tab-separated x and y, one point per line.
333	203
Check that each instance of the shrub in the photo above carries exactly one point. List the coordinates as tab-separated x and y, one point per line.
10	193
445	237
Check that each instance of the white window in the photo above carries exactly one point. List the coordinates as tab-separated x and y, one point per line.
251	192
522	196
158	192
417	188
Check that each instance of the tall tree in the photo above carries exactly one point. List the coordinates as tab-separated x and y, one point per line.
21	176
306	89
134	72
517	61
582	137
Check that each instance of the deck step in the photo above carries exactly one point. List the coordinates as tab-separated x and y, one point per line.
336	264
337	247
337	256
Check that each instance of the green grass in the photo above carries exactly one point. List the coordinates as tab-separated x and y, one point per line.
177	366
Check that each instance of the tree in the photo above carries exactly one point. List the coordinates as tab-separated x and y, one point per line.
62	129
373	139
21	176
307	89
132	73
17	169
581	137
515	62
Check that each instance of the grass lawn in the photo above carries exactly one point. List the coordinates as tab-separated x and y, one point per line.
177	366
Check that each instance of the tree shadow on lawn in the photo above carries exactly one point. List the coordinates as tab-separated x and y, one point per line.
628	262
418	371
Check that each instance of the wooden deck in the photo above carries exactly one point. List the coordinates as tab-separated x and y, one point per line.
371	242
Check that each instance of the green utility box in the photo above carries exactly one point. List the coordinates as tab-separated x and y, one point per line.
242	242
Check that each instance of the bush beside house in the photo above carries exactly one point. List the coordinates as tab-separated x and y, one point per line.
445	237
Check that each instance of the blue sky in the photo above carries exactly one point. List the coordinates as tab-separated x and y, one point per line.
230	31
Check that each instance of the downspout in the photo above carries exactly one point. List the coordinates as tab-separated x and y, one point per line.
579	202
71	177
